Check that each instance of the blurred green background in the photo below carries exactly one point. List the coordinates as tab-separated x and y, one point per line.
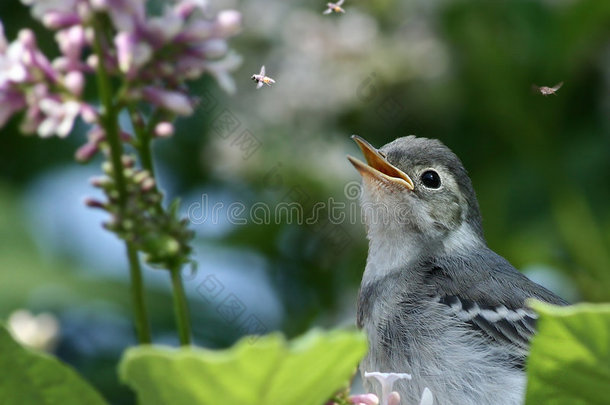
460	71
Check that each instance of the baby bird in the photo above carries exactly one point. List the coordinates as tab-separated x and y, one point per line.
435	300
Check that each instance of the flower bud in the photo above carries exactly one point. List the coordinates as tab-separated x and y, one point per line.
128	161
228	23
173	101
394	398
100	181
148	184
86	152
141	176
27	38
92	203
364	399
107	168
214	48
88	113
128	172
99	5
54	20
92	61
75	81
164	130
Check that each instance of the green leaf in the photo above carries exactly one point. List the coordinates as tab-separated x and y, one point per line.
28	377
269	370
174	208
569	362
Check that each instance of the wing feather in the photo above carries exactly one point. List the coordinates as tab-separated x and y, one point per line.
502	325
489	295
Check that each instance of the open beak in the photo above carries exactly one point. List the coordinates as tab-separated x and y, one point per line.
378	167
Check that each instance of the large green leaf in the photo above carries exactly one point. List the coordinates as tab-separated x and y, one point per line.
32	378
569	361
268	370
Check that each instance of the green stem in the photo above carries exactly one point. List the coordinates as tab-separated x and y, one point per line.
146	155
137	296
180	307
143	133
144	140
110	122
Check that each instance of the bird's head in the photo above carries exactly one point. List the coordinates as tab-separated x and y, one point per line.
416	192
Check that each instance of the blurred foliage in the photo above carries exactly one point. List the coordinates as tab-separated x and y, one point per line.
265	370
27	377
460	71
570	361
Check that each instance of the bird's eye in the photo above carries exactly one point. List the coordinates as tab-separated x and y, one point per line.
431	179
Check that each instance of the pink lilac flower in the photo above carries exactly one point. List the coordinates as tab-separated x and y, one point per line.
25	52
180	44
26	81
185	8
388	397
59	117
228	23
393	398
166	27
221	69
74	81
155	54
126	15
196	30
12	73
71	42
89	114
11	101
131	54
386	381
164	130
174	101
11	66
364	399
56	14
89	149
33	115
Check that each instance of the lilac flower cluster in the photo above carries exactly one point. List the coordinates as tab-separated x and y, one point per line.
151	55
28	81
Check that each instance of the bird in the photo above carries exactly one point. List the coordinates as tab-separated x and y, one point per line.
334	7
545	91
261	79
435	301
